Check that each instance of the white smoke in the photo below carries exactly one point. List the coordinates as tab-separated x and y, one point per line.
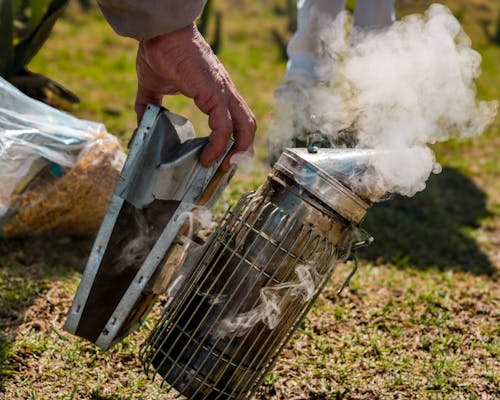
243	160
200	217
396	90
271	303
136	249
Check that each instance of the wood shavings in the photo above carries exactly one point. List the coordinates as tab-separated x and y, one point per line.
73	204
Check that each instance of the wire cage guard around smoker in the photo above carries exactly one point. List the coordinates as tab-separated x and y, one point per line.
215	339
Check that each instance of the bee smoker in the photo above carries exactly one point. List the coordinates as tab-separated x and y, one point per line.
234	297
259	274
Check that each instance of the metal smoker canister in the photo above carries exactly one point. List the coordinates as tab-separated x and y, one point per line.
260	273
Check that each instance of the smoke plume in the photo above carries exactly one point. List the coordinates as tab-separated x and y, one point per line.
394	90
271	303
137	248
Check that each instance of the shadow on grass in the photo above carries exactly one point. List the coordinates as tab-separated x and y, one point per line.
26	268
432	229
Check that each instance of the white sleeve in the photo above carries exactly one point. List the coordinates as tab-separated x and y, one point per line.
145	19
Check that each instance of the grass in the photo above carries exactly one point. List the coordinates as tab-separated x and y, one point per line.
420	319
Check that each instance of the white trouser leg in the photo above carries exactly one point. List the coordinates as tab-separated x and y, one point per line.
304	49
374	13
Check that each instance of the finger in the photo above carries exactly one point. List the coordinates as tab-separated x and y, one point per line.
221	125
143	98
244	127
219	121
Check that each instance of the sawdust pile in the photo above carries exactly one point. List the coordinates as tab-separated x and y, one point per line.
73	204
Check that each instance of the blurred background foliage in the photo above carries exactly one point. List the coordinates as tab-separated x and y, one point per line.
25	27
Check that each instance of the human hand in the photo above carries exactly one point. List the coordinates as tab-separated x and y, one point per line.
183	62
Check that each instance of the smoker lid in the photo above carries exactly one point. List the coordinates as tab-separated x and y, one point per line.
307	170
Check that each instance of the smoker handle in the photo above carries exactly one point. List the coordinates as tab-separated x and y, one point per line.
365	240
351	274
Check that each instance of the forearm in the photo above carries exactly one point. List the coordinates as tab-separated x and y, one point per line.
145	19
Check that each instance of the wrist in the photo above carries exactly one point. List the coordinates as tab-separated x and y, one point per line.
188	32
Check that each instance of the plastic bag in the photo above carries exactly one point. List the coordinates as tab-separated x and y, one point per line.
57	172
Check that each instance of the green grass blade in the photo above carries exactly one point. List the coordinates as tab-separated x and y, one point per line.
6	37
